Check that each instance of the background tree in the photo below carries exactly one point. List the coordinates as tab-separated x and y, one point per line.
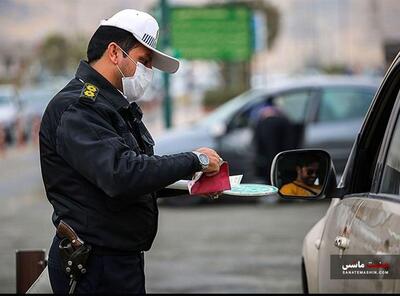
76	51
53	54
60	55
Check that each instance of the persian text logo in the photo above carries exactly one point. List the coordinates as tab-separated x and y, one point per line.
365	267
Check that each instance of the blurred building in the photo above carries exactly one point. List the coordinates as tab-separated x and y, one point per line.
25	23
359	35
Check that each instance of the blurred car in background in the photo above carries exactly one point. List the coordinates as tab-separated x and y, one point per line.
9	110
326	111
33	101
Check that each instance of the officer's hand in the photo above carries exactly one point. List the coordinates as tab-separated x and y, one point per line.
211	195
214	195
214	158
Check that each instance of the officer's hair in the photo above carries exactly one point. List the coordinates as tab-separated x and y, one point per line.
103	36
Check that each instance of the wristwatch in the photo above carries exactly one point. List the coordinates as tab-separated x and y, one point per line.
203	160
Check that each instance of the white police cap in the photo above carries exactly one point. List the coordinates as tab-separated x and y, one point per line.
145	29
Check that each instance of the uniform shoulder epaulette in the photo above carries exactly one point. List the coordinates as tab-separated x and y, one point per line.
89	93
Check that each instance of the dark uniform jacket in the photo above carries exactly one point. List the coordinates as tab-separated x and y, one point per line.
98	166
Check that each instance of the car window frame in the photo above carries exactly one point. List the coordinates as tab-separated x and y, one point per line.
248	97
313	92
382	102
245	108
385	147
310	111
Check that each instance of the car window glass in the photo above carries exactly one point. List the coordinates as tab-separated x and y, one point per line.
344	103
224	112
294	105
391	173
246	117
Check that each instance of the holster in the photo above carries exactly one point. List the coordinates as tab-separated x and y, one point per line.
73	251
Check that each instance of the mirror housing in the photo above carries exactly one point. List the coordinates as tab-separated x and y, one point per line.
303	174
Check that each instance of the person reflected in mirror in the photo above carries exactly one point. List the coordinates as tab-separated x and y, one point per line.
307	181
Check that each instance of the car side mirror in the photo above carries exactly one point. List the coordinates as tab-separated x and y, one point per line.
303	174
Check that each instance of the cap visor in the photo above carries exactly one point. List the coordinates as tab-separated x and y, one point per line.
162	61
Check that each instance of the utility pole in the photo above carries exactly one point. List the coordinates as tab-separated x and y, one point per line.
165	44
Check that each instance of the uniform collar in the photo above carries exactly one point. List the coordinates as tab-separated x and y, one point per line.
87	74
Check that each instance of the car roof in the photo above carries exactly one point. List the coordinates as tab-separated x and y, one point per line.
319	81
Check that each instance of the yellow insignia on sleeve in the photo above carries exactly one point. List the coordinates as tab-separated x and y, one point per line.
89	91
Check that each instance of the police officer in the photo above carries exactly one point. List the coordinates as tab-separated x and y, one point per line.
97	161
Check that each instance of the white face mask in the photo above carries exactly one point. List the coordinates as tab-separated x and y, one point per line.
135	86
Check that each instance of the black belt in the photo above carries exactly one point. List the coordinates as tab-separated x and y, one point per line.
98	250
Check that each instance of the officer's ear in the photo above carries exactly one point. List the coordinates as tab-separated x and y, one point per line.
113	52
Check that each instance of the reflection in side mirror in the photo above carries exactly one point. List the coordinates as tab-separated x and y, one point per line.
302	174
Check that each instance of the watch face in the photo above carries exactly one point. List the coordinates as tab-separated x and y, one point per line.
203	159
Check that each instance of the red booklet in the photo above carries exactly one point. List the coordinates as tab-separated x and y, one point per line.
203	184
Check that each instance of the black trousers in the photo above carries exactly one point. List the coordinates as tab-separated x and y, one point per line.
105	273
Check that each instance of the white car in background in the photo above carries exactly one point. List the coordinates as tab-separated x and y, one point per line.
33	100
8	111
362	223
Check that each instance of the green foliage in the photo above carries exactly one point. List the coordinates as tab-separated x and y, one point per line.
6	80
335	69
58	54
52	53
216	97
77	50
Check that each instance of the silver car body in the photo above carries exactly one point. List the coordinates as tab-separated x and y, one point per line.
367	214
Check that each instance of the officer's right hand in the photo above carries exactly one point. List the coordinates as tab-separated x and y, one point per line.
214	158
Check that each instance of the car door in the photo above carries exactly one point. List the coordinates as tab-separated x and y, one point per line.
365	221
341	110
236	146
376	226
298	105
